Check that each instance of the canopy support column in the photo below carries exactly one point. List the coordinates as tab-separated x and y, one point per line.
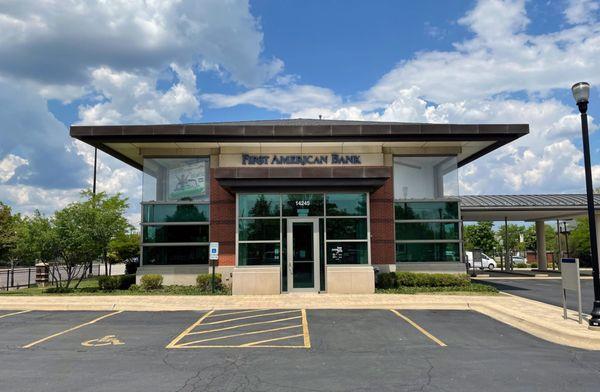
540	228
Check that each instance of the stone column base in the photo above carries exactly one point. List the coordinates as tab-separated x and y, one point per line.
256	280
350	280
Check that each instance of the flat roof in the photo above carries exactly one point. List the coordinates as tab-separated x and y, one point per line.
122	141
525	207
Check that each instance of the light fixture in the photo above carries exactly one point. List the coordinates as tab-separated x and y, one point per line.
581	92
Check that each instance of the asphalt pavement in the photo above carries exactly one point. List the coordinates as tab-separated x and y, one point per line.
545	290
282	350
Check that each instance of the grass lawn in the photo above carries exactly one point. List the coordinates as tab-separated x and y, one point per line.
90	287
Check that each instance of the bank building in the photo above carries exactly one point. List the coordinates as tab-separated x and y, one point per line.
300	204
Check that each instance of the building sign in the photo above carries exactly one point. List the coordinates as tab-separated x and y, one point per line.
187	181
303	159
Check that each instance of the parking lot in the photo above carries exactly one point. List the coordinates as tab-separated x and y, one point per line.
281	350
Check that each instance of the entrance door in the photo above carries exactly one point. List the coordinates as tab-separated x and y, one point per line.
303	254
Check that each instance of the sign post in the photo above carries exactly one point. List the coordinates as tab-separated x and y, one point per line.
569	272
213	256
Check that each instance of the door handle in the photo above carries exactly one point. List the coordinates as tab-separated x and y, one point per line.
291	267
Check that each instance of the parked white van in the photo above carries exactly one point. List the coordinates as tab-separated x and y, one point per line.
486	261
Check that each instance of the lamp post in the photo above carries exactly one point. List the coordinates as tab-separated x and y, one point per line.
581	93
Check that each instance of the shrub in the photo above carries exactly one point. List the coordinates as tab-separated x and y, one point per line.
534	265
131	268
413	279
387	280
204	282
151	282
521	265
117	282
58	290
108	283
134	287
126	281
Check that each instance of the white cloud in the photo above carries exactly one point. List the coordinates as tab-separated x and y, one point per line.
129	98
57	42
9	165
285	99
581	11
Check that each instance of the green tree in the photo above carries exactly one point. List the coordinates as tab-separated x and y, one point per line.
124	248
106	214
579	241
480	236
8	235
514	236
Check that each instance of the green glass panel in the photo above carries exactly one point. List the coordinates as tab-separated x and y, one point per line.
427	231
258	229
426	210
258	205
347	204
347	253
347	229
170	255
158	213
259	254
176	233
302	204
419	252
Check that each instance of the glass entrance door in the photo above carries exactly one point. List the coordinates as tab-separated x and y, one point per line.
303	254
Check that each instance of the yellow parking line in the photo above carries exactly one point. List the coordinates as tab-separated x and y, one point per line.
240	312
249	317
305	332
254	344
71	329
419	328
243	325
14	313
240	334
188	330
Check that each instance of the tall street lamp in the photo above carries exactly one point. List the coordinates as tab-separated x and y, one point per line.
581	93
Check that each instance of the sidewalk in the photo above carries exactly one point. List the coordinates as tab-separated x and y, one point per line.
536	318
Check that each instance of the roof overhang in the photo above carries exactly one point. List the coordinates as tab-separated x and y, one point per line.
525	207
128	142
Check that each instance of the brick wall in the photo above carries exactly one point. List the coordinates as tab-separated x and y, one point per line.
382	224
222	221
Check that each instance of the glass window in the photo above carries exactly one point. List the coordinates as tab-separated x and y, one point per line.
176	213
259	254
302	205
418	252
427	231
259	205
426	210
162	255
258	229
347	253
347	229
347	204
176	233
425	177
175	179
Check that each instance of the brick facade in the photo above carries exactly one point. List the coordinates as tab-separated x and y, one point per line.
381	206
222	221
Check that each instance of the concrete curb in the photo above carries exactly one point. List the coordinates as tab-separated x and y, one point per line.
536	318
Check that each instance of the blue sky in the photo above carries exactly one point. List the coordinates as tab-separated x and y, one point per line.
211	60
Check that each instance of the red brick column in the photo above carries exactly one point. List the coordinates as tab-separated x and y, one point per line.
383	248
222	221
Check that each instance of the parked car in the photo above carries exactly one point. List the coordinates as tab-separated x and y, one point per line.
518	259
486	261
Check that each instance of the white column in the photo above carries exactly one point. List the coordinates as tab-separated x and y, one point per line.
541	244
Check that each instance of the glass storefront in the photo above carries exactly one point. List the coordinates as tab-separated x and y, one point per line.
426	209
175	211
342	225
